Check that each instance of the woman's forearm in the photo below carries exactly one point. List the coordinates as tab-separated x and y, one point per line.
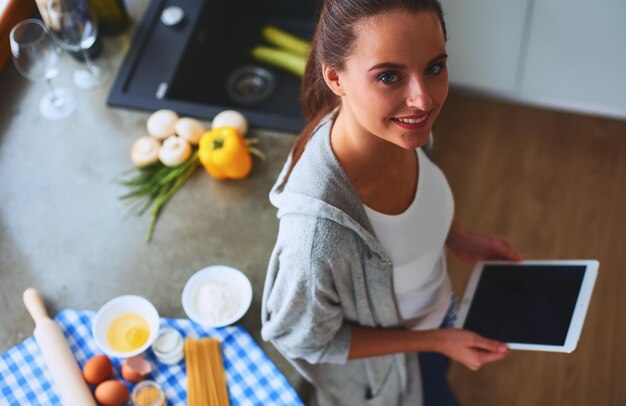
456	233
371	342
462	346
471	247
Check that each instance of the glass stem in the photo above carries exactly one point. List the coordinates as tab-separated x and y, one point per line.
55	100
90	65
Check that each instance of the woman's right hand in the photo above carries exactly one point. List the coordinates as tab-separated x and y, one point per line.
469	348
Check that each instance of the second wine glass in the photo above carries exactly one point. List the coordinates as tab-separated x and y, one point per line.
37	57
74	27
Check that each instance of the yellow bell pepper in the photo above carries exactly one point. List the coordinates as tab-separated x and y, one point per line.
224	154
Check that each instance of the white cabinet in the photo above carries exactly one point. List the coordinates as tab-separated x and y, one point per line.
484	42
567	54
577	55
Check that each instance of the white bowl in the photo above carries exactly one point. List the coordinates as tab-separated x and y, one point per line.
234	279
116	307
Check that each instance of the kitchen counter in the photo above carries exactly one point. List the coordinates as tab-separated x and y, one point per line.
64	231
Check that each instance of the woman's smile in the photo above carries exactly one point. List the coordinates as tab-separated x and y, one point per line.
414	122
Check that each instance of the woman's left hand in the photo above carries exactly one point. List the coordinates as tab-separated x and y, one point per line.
471	247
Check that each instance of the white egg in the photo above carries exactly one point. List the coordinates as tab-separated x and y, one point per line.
231	118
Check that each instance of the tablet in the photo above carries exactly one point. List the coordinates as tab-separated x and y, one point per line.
535	305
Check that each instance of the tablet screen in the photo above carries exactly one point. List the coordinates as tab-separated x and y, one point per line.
525	303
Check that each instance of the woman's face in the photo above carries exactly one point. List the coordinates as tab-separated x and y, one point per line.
395	81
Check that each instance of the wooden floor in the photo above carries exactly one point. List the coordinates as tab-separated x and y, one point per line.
554	184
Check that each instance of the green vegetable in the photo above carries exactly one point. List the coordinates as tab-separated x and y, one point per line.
154	185
285	40
279	58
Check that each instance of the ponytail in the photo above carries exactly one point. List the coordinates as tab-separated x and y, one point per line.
317	100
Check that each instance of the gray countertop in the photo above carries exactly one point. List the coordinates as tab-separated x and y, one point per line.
64	231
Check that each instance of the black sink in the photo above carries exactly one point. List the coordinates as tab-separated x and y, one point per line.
201	66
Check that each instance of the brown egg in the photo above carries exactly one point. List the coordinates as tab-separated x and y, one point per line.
134	369
112	393
97	369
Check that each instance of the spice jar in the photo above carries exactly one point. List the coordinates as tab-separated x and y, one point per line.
148	393
169	346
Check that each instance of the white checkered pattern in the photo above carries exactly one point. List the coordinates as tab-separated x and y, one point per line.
252	377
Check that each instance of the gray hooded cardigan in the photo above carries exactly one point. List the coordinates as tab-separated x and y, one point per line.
326	272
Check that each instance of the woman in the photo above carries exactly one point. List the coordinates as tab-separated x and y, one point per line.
357	283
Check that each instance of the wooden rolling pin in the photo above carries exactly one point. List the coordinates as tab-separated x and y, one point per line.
65	372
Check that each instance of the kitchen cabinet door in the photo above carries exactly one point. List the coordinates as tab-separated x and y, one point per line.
485	39
577	55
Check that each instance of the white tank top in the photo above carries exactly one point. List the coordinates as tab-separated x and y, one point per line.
414	241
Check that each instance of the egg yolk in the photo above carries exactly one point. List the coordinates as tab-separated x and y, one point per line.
128	332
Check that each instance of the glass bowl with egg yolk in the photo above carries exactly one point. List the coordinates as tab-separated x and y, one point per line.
128	332
125	326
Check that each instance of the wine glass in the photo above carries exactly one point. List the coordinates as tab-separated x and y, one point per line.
37	57
74	26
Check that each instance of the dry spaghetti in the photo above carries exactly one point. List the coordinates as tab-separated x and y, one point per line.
206	379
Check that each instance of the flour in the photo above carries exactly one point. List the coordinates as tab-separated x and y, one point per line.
216	302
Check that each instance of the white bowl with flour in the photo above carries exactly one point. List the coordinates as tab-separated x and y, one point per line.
217	296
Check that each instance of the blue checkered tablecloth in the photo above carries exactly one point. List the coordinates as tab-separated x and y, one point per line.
252	377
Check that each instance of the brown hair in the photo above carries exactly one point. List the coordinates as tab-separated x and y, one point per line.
332	44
